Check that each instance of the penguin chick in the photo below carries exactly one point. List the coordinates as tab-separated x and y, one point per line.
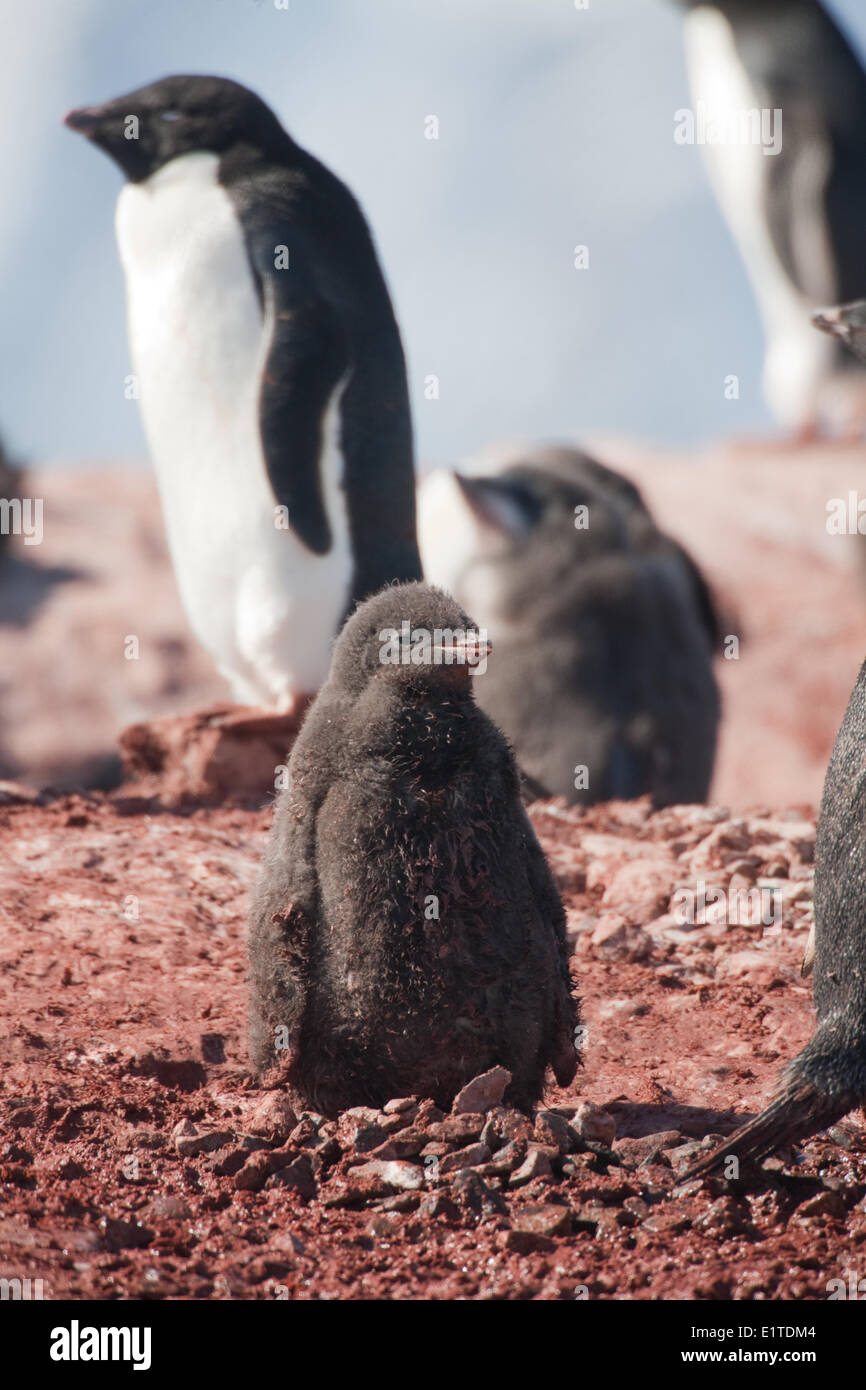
271	377
406	932
603	627
828	1078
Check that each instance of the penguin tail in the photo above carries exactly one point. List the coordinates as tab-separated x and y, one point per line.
798	1110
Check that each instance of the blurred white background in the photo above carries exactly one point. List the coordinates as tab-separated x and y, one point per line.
556	128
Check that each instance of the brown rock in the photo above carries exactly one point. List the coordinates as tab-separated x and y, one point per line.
254	1173
355	1189
640	889
505	1125
406	1143
647	1149
397	1176
400	1105
436	1149
190	1140
546	1219
359	1129
535	1165
483	1092
617	939
554	1131
272	1118
823	1204
506	1159
457	1129
225	753
595	1125
469	1157
297	1174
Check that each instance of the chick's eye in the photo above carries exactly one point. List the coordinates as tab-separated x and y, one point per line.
169	115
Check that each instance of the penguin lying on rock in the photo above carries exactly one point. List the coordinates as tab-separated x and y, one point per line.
828	1078
271	378
406	933
604	628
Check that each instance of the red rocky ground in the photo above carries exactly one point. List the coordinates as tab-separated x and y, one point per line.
138	1160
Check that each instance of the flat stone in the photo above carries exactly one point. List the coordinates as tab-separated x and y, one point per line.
469	1157
189	1140
400	1104
482	1092
535	1165
545	1219
649	1148
554	1131
457	1129
254	1173
823	1204
406	1177
506	1159
406	1143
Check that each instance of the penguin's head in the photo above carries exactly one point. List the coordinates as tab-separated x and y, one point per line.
409	637
847	322
147	128
513	500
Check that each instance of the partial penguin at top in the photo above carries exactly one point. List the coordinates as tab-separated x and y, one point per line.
271	377
780	98
603	627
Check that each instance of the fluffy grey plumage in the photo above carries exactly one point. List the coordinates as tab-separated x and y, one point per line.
406	933
604	632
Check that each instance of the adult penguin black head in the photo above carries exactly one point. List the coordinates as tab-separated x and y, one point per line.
178	115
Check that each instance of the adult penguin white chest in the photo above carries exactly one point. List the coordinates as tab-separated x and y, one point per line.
257	597
270	377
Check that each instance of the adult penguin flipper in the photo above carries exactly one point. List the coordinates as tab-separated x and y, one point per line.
305	361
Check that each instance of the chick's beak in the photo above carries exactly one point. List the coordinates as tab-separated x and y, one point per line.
466	649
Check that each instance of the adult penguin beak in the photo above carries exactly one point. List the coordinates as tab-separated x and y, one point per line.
85	120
